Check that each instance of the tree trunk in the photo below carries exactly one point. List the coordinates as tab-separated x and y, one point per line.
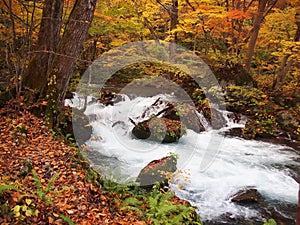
285	64
69	48
49	34
174	21
283	70
253	38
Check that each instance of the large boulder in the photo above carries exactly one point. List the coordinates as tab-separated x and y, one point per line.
217	119
157	171
159	129
246	196
186	114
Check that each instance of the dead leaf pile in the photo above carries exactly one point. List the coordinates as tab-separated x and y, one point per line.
25	141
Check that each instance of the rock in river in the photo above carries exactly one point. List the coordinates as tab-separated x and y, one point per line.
157	171
159	129
246	196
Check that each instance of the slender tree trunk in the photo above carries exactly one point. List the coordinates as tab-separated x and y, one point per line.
69	48
253	38
36	74
283	70
285	64
173	23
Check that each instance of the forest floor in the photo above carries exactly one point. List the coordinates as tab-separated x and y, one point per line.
62	190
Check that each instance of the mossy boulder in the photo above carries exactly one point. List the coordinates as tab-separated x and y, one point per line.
159	129
187	115
157	171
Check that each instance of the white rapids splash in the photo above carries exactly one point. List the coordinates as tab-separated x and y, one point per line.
237	164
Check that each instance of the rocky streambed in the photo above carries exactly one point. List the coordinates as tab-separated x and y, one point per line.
213	167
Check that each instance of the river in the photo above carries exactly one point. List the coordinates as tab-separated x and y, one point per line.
212	166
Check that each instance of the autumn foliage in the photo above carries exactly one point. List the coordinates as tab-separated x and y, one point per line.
75	194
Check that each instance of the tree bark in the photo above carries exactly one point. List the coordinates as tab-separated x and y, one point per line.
285	64
256	27
283	70
35	76
173	23
69	48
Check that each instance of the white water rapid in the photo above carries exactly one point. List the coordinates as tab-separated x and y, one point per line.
235	164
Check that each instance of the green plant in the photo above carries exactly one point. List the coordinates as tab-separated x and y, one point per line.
245	99
25	210
159	208
67	219
45	193
6	188
262	125
270	222
4	203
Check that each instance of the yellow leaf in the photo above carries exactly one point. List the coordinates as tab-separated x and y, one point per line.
28	201
24	208
36	212
17	208
28	212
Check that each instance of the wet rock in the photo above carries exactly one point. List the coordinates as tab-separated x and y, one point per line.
235	132
184	113
157	171
235	117
187	115
246	196
159	129
217	119
109	98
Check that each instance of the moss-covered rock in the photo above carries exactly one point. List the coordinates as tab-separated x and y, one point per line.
187	115
157	171
159	129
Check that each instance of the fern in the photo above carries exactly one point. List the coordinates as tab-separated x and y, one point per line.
51	182
43	191
160	209
67	219
6	188
37	182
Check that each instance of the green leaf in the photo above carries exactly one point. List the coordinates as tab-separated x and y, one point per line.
67	219
6	188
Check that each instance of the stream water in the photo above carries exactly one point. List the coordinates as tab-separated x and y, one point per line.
212	166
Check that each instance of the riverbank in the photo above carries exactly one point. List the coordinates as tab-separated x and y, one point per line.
44	180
